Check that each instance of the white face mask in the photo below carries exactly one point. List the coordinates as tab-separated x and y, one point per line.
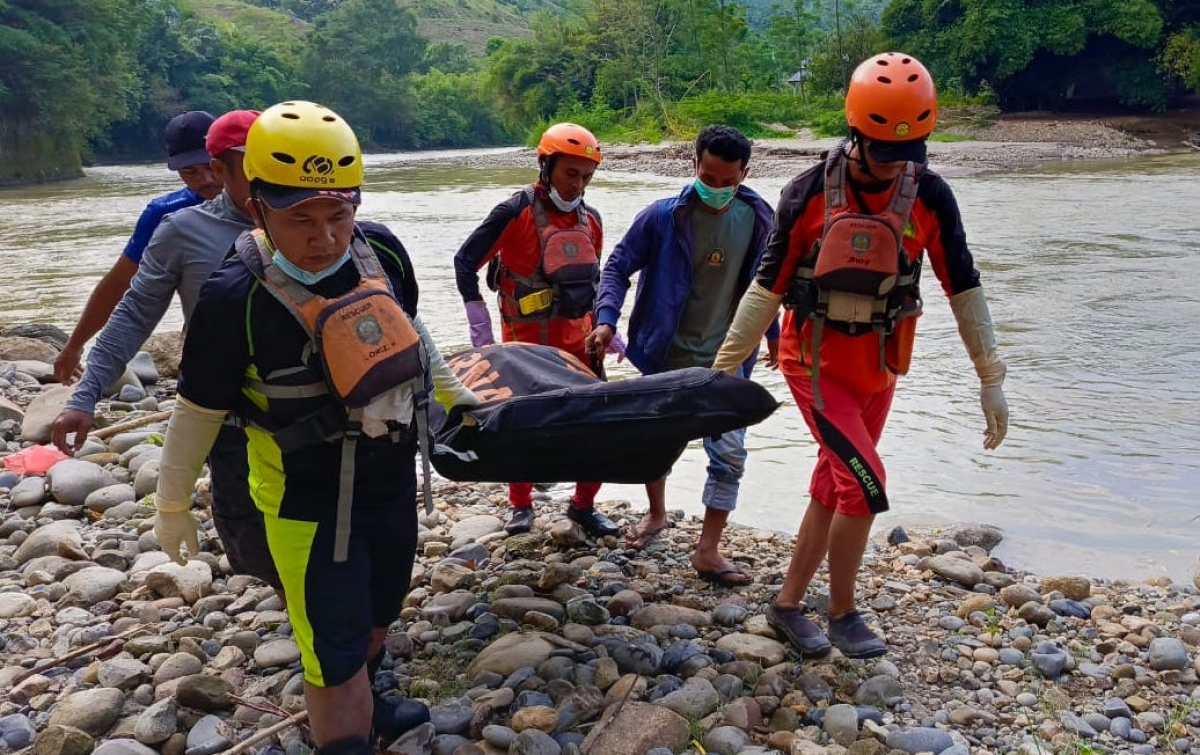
562	204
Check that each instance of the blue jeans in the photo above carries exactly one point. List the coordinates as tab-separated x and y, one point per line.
726	463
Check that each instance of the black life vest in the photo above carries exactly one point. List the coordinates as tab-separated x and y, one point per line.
366	345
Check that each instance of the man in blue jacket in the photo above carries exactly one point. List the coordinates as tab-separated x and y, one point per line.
697	253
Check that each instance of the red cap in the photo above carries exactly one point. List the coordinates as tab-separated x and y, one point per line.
229	132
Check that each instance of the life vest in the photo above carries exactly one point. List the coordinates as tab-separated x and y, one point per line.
366	346
859	279
567	277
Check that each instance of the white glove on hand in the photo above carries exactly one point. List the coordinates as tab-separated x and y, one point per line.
995	411
975	327
448	390
173	529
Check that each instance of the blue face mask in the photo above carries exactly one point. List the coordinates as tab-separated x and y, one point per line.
718	199
304	276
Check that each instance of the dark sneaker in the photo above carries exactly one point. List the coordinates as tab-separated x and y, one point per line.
520	520
393	715
593	522
851	636
805	636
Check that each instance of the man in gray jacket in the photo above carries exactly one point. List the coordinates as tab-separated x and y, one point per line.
185	249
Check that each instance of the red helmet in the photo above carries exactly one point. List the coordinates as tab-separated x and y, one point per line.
891	98
569	139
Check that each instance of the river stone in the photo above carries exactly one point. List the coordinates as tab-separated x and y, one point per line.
203	692
472	528
109	496
748	647
841	723
145	478
275	653
62	740
93	584
16	731
30	491
14	605
210	735
142	365
1019	594
726	740
418	741
669	615
956	569
177	666
91	710
695	699
1074	588
123	747
60	538
40	414
880	691
17	348
10	411
512	652
72	480
453	605
584	609
158	722
447	576
125	442
983	536
123	673
919	739
516	608
637	728
165	349
1167	653
541	717
190	581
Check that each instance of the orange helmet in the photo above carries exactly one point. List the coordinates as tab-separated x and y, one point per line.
569	139
891	98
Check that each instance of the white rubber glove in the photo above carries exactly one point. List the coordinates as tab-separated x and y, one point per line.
190	436
448	390
754	315
975	328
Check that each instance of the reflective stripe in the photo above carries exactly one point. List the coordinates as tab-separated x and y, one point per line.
291	544
309	390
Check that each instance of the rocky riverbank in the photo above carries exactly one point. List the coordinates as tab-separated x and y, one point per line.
998	145
547	643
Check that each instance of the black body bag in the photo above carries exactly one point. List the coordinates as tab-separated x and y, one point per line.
547	418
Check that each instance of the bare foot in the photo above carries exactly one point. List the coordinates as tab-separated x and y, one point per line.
644	532
720	571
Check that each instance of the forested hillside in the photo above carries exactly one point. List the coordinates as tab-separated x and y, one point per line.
97	80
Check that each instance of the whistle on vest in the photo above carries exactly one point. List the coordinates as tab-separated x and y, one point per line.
538	301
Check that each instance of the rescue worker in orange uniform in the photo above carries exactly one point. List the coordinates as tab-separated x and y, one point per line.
844	259
542	249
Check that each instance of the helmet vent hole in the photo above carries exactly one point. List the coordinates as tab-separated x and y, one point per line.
912	77
879	119
884	80
924	114
292	116
328	118
284	158
346	161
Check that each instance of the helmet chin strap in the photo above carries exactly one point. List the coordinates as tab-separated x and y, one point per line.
858	145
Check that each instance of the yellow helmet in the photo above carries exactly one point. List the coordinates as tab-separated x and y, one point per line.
299	150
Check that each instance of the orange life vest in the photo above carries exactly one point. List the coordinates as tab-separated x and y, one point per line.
568	272
858	278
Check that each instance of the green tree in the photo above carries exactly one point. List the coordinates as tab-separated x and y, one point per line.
67	72
358	62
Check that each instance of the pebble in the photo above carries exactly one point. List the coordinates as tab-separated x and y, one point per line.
522	643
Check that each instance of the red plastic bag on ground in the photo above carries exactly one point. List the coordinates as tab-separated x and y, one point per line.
35	460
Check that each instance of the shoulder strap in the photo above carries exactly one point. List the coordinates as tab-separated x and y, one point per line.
905	195
835	180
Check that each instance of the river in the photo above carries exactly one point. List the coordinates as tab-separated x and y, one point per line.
1091	270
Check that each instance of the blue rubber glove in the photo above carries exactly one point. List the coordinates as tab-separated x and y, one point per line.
480	321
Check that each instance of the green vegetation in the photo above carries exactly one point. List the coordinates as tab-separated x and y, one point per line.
98	80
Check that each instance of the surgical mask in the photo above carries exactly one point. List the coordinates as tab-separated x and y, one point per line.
304	276
562	204
717	199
